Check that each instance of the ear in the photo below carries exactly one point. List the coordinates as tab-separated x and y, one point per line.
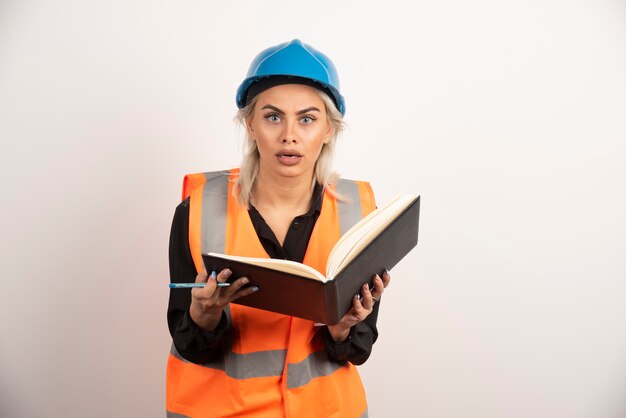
250	129
329	134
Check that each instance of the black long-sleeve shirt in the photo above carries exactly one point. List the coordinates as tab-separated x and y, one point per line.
198	345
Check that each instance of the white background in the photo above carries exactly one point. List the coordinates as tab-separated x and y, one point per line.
508	117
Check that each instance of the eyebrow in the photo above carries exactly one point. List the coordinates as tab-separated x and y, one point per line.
300	112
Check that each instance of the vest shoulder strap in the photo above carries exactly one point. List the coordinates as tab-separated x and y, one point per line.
352	190
356	201
193	181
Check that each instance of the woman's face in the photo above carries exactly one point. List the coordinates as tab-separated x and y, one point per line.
290	127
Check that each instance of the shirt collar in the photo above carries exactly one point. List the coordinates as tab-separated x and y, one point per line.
315	208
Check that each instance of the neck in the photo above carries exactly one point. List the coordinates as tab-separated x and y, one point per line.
293	193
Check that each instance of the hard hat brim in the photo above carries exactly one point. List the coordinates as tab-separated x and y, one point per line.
252	86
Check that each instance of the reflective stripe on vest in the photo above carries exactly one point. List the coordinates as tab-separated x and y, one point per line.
348	216
246	366
175	415
315	365
270	363
213	227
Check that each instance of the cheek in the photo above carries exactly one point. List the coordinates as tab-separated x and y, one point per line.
262	145
268	133
316	148
316	134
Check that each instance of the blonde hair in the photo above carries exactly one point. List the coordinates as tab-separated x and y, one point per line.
323	172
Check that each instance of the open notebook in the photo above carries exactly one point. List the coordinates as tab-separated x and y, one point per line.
377	242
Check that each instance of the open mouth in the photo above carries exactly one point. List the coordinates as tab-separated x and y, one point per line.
289	157
289	154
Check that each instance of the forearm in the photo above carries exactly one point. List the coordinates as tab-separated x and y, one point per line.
191	341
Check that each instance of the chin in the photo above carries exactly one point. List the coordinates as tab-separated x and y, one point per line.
294	172
290	172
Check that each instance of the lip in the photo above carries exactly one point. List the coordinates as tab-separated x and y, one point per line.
288	157
288	153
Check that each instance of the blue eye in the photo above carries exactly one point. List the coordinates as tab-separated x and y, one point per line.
272	117
307	119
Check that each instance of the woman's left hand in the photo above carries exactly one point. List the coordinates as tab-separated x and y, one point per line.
361	308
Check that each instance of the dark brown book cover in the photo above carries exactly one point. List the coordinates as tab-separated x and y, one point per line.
326	302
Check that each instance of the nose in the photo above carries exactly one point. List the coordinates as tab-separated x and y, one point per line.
289	135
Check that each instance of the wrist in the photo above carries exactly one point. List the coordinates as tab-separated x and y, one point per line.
339	335
206	320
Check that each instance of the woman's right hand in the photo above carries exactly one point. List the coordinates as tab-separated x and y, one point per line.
208	302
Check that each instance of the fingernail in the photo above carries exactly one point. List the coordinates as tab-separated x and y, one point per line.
214	275
227	273
254	289
245	280
388	273
357	296
366	287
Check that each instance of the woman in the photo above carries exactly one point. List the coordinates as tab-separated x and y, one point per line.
284	202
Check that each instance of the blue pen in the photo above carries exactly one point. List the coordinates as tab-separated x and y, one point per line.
189	285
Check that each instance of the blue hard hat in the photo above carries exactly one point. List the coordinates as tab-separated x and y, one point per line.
294	62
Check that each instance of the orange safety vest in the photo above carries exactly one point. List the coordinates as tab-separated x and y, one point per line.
273	365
